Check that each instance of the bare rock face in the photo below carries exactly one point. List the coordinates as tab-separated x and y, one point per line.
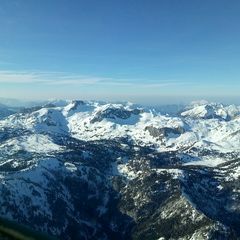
114	113
164	132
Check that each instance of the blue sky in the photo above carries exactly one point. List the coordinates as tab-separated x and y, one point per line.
137	50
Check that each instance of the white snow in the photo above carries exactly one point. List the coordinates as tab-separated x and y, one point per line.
37	143
70	167
207	161
219	132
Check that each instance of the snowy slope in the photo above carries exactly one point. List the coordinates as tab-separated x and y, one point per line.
212	127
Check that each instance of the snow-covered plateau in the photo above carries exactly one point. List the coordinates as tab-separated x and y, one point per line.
94	170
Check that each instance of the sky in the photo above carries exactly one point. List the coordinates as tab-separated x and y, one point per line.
133	50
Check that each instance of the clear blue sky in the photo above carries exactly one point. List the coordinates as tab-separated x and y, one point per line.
137	50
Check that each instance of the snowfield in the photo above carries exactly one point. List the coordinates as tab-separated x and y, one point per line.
207	127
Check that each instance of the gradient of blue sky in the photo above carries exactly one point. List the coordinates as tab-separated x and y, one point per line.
129	50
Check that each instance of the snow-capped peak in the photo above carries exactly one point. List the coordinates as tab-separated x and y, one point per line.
211	110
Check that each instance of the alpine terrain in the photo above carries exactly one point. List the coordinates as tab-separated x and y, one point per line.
113	171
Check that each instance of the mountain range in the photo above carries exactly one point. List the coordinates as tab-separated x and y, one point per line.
95	170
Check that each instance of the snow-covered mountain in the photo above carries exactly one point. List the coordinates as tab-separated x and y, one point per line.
212	110
91	170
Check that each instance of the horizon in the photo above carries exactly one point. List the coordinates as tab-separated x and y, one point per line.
16	102
139	52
